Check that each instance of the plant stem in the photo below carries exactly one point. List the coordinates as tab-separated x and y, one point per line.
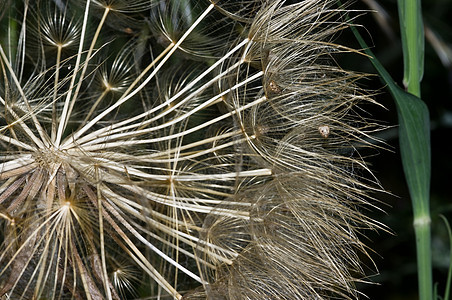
413	51
424	257
412	31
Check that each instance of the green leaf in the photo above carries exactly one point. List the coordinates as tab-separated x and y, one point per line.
412	33
414	131
414	138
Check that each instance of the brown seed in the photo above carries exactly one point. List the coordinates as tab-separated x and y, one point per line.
274	87
128	30
324	131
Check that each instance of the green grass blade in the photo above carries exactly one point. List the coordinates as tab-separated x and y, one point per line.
412	32
414	132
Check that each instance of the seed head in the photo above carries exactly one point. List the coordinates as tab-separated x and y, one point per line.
168	145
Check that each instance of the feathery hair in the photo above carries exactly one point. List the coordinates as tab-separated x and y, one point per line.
151	147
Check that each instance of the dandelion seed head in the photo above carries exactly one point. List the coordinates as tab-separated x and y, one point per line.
183	154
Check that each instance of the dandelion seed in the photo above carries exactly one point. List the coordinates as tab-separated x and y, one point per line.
274	87
324	131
